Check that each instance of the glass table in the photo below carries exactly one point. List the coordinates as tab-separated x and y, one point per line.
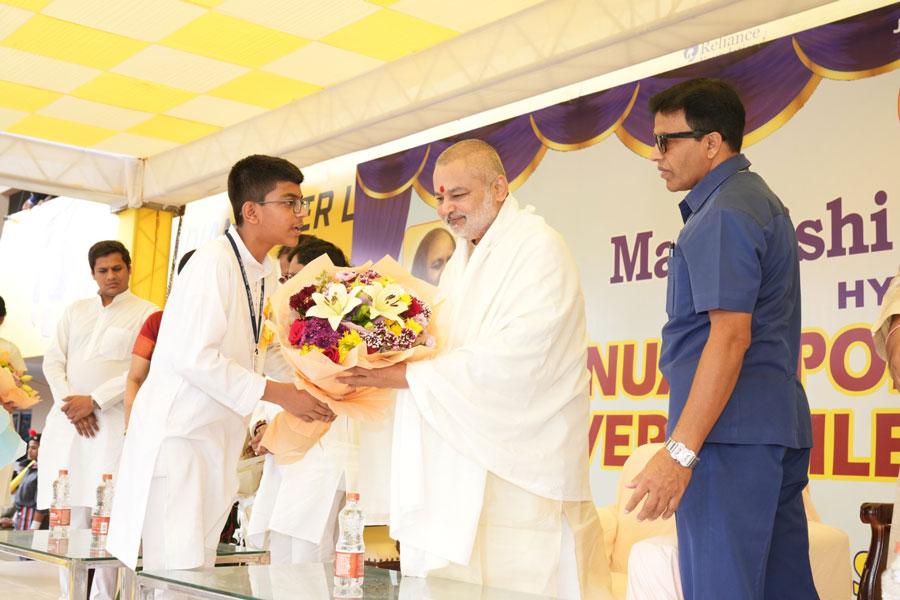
311	581
80	551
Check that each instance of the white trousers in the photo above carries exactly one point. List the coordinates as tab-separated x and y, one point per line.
104	585
653	570
155	542
285	549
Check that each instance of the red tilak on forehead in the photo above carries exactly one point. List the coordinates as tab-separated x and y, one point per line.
441	189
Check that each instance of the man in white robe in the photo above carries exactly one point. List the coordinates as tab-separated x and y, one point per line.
489	481
178	475
85	366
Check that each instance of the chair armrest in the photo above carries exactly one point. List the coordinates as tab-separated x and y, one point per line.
878	516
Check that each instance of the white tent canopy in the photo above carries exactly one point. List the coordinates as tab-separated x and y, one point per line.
545	47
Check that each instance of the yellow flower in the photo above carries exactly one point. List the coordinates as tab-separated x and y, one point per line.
395	328
414	325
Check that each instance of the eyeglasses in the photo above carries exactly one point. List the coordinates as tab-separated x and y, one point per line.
662	139
284	278
298	205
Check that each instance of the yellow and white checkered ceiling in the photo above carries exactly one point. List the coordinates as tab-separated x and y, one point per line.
139	77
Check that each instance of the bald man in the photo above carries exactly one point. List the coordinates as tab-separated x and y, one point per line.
490	465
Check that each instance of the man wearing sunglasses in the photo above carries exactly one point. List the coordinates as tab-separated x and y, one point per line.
736	460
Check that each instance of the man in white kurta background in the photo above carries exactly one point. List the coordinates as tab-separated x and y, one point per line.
85	367
178	475
489	480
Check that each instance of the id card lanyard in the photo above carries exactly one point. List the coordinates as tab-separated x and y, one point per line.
255	319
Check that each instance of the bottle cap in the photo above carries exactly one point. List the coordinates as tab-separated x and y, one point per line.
352	496
107	476
63	471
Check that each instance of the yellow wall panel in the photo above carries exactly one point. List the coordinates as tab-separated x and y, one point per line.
388	35
34	5
173	129
264	89
147	233
129	92
59	130
24	97
233	40
72	43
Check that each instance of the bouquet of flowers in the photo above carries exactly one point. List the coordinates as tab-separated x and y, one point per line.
327	320
14	385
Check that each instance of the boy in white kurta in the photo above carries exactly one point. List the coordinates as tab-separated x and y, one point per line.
178	475
490	463
85	366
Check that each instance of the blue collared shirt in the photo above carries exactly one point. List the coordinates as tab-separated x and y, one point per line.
738	252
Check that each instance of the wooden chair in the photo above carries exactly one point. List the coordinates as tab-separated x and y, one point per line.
878	516
381	551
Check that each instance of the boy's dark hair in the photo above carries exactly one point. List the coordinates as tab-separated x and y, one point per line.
253	177
310	248
708	105
105	248
2	307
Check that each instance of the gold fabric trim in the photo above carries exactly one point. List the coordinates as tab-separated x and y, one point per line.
560	147
786	113
395	192
840	75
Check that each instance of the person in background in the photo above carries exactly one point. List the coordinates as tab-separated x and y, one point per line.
85	366
297	504
7	347
296	257
886	333
25	480
432	255
143	351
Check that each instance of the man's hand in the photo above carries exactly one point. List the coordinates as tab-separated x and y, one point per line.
259	449
297	402
663	481
8	406
6	523
77	407
393	377
87	426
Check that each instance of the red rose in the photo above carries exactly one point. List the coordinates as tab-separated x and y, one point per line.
302	301
333	354
415	308
296	332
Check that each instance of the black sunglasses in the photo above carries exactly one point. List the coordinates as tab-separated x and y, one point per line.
662	139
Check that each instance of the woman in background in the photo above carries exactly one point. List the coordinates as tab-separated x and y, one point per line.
432	255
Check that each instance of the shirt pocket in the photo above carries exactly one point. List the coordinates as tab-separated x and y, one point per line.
679	301
116	343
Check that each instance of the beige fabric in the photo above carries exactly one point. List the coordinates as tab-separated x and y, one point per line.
890	306
518	544
653	566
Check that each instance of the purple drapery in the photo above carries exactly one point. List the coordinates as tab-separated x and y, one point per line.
774	79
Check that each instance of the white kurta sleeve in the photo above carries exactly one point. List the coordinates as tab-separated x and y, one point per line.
197	312
110	392
56	358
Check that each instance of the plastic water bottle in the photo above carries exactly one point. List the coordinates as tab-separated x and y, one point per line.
60	511
349	550
890	579
100	513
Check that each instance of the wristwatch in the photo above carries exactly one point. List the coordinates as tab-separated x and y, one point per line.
681	454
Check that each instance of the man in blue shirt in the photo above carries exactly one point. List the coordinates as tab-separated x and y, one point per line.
736	461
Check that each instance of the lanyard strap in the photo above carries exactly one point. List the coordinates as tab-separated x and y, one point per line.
255	321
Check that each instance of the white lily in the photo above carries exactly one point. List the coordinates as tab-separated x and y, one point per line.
386	301
334	304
